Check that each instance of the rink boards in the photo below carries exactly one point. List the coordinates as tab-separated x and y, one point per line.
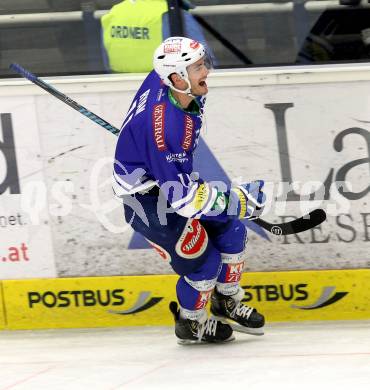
144	300
307	127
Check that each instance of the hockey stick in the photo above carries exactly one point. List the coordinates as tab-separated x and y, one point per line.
64	98
308	221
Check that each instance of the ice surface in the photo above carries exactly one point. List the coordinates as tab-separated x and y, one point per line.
314	356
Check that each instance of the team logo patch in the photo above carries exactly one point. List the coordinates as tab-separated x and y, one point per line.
161	251
188	133
194	44
172	48
193	241
203	299
234	272
158	126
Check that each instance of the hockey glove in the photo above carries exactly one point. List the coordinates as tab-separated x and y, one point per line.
247	201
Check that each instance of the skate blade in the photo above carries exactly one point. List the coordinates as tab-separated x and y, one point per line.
240	328
244	329
196	342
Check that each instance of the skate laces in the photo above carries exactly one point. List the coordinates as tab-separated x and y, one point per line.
209	328
242	310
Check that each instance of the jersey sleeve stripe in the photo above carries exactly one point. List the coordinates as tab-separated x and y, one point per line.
120	187
187	199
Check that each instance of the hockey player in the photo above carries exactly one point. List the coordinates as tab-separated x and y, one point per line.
194	224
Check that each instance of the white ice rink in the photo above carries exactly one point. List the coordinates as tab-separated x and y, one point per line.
314	356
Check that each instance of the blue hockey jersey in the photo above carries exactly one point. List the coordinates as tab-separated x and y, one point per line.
156	146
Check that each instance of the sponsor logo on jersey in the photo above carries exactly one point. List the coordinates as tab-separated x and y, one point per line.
158	126
203	299
234	272
193	241
194	44
188	133
176	157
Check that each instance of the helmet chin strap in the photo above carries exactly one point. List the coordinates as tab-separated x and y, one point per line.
187	91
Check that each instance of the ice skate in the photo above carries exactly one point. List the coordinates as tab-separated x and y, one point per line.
241	318
195	332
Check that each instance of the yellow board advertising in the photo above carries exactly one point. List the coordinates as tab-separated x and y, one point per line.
144	300
309	295
2	310
89	302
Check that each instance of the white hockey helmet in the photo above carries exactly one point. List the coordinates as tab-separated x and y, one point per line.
174	55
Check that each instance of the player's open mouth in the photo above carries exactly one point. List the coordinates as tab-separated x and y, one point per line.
202	83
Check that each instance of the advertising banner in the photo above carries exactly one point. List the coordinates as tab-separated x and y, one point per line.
25	244
309	142
89	302
2	311
144	300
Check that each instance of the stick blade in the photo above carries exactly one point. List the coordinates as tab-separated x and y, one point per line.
307	222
